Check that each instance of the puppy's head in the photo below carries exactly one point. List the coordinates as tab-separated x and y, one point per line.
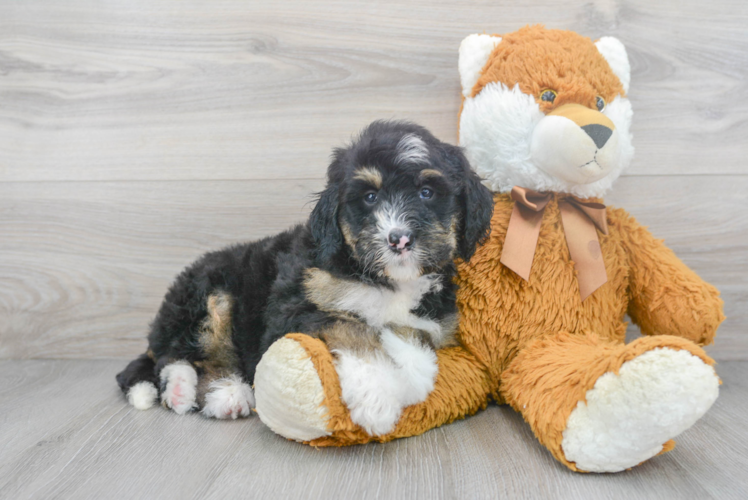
400	203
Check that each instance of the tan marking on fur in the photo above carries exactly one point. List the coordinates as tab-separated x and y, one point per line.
452	235
370	175
352	336
408	333
430	172
217	344
441	235
348	236
151	355
449	325
216	335
324	290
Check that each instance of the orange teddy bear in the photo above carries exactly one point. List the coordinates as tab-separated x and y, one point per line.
545	121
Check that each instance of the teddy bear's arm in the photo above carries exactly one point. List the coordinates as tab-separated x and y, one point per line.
288	402
666	297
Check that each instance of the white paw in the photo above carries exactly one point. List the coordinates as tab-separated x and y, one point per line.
228	397
180	387
629	416
416	367
142	395
289	392
370	391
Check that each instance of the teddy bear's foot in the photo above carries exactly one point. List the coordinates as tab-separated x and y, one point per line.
289	394
627	417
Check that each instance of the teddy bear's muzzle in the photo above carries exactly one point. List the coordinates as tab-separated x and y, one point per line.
575	143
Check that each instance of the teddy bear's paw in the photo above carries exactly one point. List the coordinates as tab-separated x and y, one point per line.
628	417
179	383
228	397
289	392
371	391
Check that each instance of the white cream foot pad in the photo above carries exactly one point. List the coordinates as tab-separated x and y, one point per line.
289	394
628	417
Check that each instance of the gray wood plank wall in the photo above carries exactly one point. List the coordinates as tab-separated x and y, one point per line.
136	135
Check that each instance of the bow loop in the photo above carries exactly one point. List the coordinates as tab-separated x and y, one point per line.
528	198
580	220
595	212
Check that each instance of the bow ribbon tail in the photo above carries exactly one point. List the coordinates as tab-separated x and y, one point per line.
521	240
523	230
580	221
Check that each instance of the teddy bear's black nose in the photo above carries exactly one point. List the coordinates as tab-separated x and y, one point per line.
599	134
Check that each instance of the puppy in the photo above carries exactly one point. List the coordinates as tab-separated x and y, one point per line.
370	274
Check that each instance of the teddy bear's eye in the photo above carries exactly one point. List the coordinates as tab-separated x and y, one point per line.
600	102
548	95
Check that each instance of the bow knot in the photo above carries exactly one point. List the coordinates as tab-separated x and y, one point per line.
580	219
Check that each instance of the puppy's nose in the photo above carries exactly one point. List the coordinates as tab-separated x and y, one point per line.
401	239
598	133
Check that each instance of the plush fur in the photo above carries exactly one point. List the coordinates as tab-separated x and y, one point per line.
502	98
370	273
559	361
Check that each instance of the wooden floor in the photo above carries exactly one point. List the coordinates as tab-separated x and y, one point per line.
137	134
66	432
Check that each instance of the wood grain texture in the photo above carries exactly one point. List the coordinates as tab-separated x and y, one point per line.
84	265
93	445
145	90
136	136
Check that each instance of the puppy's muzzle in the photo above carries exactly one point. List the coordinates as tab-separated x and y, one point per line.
400	240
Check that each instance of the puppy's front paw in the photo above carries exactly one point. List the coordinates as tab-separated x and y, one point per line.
179	387
228	397
370	391
416	367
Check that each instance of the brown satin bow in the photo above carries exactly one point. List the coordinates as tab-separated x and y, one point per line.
579	219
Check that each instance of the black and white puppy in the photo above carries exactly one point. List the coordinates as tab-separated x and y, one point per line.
370	273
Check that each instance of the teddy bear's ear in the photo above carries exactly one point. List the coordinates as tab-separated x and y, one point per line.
474	52
615	53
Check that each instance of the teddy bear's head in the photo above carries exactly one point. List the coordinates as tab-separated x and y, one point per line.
546	110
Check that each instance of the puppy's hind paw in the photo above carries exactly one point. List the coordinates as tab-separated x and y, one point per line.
179	382
229	397
142	395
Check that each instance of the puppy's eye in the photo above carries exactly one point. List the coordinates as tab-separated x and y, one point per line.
600	103
427	193
370	197
548	95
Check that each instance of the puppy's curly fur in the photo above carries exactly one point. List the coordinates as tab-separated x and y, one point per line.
370	273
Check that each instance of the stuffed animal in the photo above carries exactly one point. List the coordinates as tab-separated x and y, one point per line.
545	121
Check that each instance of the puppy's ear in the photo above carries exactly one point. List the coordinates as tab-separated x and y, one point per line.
323	222
477	205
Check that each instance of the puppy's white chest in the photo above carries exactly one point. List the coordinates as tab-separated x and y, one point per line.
378	306
381	306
